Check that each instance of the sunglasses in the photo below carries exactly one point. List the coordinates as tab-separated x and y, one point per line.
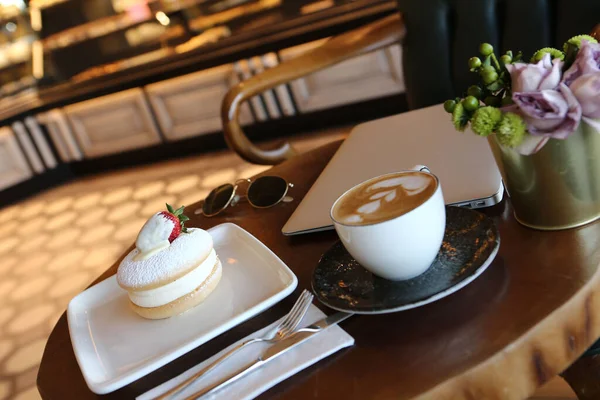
264	192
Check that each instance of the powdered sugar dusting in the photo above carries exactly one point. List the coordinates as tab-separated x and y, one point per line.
187	250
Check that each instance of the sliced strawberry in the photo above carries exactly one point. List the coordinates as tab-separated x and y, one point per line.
178	219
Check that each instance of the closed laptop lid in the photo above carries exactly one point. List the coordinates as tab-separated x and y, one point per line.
463	162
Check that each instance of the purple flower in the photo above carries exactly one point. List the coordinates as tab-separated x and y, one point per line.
586	90
535	77
586	62
550	113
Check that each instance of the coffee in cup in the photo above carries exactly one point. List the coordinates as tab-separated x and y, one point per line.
393	225
384	198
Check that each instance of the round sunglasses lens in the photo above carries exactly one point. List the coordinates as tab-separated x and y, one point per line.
267	191
217	199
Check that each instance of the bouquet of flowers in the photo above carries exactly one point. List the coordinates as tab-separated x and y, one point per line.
526	104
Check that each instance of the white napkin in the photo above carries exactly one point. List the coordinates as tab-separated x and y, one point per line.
312	350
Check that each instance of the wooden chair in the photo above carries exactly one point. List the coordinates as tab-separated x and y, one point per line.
368	38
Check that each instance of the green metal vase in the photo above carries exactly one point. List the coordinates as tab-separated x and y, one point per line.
559	186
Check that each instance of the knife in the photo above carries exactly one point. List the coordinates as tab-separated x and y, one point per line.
279	348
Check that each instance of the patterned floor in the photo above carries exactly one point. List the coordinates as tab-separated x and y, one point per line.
53	245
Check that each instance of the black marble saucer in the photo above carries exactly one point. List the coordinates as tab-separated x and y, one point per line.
471	242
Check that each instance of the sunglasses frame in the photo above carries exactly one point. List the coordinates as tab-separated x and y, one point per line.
235	187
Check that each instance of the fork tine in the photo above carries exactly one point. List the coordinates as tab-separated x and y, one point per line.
289	328
290	315
292	323
301	312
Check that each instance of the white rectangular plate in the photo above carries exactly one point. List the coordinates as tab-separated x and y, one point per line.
114	346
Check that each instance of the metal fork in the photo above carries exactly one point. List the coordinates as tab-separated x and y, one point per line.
286	327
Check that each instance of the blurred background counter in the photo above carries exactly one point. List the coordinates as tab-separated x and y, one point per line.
87	85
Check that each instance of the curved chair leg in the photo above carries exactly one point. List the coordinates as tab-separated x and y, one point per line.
368	38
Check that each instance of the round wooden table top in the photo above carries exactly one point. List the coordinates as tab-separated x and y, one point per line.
524	320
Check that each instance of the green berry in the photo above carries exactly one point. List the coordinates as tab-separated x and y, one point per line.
506	59
489	74
470	103
449	106
475	91
474	62
486	49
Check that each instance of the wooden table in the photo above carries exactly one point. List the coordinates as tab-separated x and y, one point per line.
526	319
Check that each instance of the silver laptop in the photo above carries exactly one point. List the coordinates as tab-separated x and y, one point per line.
463	162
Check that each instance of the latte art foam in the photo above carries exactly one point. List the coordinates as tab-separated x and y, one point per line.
384	198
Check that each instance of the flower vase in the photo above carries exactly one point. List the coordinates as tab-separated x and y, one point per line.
559	186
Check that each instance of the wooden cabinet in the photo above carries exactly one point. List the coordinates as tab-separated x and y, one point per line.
256	67
13	165
242	69
190	105
114	123
372	75
28	147
41	143
61	135
282	93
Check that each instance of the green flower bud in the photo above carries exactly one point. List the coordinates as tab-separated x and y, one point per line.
486	120
470	103
512	130
474	62
576	41
475	91
506	59
486	49
460	117
555	53
518	57
449	106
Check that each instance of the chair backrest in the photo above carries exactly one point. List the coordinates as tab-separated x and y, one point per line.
443	34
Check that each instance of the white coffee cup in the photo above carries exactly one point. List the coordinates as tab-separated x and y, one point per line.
401	247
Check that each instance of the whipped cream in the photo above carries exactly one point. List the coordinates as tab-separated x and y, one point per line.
149	253
176	289
154	233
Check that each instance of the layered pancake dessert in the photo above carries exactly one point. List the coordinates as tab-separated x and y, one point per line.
171	269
